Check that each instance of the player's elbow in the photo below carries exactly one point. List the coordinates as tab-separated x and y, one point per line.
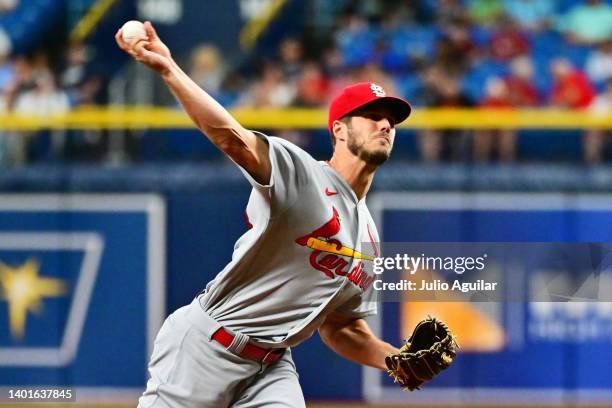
231	141
245	149
327	335
331	333
225	137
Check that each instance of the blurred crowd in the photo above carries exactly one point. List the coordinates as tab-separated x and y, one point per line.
501	54
450	53
34	85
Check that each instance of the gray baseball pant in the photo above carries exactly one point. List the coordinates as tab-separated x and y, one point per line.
189	369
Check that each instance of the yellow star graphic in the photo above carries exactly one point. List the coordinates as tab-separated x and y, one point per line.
23	290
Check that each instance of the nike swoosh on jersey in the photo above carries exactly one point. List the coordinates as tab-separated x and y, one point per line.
330	193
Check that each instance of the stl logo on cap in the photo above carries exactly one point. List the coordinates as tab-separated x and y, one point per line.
378	90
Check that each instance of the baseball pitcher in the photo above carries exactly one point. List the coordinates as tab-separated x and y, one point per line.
305	263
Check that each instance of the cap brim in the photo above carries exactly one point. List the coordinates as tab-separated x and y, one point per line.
399	108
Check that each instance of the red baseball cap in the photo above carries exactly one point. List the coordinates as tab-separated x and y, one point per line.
363	93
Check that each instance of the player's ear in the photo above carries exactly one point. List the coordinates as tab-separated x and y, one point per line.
339	130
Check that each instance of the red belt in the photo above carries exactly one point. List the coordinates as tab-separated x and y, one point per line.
249	351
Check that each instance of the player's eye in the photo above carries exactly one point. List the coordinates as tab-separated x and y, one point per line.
379	116
373	116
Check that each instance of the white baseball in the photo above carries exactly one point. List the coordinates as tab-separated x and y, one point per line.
131	29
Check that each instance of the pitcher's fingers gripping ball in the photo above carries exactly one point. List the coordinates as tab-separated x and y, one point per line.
430	349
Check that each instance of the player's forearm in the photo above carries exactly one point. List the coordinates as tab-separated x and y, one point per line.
369	351
208	115
241	145
357	343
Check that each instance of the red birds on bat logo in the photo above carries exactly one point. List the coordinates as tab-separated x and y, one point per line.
328	230
330	256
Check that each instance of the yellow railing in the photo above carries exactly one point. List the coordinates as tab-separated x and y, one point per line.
116	117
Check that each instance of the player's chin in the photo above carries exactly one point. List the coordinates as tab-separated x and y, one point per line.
377	156
382	147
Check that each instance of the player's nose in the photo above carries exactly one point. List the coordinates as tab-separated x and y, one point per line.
383	125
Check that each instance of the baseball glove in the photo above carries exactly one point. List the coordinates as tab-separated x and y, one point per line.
430	349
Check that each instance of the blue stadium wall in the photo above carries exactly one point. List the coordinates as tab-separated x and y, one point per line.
204	209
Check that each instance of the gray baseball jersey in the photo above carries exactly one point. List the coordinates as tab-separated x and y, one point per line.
308	252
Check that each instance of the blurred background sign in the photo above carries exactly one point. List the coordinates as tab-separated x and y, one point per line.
517	352
82	293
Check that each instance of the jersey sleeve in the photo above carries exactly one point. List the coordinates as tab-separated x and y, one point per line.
291	172
360	305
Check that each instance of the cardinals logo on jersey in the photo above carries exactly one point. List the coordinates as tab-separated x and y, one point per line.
330	256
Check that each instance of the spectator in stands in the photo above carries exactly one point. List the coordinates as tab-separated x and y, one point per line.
508	41
332	62
594	140
521	89
571	87
271	91
22	80
531	15
232	88
335	70
485	12
457	33
290	58
76	79
83	85
444	92
497	96
450	59
599	63
207	68
312	86
587	23
45	99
